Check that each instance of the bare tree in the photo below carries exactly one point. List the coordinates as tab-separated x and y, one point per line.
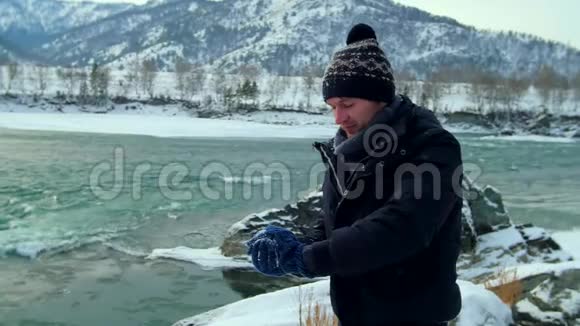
83	95
131	80
1	77
249	72
518	88
575	84
487	86
444	76
433	92
275	89
219	84
308	80
509	91
94	80
410	89
404	75
148	75
182	70
13	71
60	74
71	79
560	93
99	80
195	81
476	94
41	74
545	82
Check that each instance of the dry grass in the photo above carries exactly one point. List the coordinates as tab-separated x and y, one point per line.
313	313
506	285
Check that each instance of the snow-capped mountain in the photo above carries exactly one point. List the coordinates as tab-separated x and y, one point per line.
26	22
285	35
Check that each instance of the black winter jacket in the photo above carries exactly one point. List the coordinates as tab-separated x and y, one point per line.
390	232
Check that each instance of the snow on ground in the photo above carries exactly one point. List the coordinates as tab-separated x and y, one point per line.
531	138
206	258
281	308
288	118
161	126
506	238
481	307
569	241
528	270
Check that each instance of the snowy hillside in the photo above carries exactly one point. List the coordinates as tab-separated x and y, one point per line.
283	36
27	22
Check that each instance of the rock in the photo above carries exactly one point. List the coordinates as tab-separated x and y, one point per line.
511	246
550	299
487	208
540	124
248	283
507	132
468	235
541	245
298	218
466	118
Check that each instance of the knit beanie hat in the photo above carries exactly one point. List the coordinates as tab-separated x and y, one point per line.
360	70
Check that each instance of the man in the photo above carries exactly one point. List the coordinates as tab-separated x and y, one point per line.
389	237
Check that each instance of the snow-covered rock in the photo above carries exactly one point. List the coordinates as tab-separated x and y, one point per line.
487	207
510	246
550	296
542	122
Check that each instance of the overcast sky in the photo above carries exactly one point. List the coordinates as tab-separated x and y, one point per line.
557	20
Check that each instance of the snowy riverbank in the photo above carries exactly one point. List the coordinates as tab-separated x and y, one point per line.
157	125
177	119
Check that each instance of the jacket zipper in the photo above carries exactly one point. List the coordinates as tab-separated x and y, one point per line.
340	190
343	192
350	182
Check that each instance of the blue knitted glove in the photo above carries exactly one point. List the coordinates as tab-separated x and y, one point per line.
262	249
283	252
265	257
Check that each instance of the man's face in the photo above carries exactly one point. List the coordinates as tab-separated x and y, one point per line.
353	114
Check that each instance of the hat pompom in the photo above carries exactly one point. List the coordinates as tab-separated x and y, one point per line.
360	32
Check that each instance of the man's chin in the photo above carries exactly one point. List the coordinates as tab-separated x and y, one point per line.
349	131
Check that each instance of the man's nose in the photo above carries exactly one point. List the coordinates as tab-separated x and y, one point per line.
340	116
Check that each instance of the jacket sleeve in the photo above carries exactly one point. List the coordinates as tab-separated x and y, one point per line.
316	232
404	225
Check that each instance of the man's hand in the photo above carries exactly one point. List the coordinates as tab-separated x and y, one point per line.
276	251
